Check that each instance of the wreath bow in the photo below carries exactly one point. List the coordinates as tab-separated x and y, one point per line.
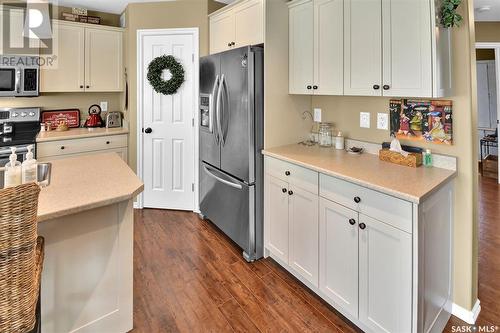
155	71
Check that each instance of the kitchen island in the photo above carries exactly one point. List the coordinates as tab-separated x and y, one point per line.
86	218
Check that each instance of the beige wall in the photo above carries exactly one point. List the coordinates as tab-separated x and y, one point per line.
487	31
344	112
158	15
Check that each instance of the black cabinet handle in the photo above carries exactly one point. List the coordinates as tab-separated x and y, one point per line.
290	192
81	87
362	226
309	87
352	221
107	142
376	87
148	130
287	173
357	199
283	190
88	87
386	87
62	147
233	43
229	44
315	87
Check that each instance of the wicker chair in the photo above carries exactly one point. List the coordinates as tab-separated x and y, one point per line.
21	259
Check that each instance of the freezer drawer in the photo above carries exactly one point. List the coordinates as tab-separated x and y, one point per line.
230	205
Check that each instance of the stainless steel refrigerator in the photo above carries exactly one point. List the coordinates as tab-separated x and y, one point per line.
231	140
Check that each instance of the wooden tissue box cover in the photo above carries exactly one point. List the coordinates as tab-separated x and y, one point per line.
412	160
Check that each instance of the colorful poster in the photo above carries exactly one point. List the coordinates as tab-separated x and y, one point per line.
429	121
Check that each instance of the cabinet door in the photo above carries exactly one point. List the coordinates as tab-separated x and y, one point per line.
304	224
221	32
301	51
329	47
249	23
407	48
67	74
338	255
276	216
385	277
103	60
362	48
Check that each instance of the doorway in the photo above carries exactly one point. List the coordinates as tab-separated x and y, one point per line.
488	102
167	149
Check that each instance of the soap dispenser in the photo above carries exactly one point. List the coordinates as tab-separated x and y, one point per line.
12	176
29	167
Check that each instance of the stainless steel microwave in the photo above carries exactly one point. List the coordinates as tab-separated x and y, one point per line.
19	76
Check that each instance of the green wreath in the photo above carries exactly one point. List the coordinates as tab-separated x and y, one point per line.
155	71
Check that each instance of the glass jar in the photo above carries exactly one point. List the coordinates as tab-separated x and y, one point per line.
325	135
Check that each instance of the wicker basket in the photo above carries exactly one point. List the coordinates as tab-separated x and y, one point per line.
21	258
413	160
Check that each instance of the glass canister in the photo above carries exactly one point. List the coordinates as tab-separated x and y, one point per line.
325	135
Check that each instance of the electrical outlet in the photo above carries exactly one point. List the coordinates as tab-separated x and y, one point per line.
317	115
382	121
104	106
364	119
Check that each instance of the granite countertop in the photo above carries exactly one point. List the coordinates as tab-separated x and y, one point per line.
79	133
411	184
76	185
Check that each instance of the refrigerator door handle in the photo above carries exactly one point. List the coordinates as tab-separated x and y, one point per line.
225	112
228	183
213	106
218	113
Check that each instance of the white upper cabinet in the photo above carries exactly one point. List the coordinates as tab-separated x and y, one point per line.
301	48
237	25
89	59
316	47
368	48
362	48
407	48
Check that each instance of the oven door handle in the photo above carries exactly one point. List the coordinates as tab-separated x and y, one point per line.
7	151
18	80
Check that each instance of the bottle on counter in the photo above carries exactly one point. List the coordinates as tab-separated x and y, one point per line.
427	158
29	167
339	141
13	170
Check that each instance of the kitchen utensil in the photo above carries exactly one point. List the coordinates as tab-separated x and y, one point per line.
94	119
114	119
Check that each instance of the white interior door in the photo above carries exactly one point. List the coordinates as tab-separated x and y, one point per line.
168	150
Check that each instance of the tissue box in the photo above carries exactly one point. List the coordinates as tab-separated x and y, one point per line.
412	160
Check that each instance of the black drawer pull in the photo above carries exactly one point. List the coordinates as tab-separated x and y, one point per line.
357	199
362	226
284	190
352	221
287	173
62	147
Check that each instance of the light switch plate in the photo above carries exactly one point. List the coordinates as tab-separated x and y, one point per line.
364	119
382	121
104	106
317	115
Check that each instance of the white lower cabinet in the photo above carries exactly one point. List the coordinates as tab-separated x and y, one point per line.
277	228
303	232
338	255
385	276
362	251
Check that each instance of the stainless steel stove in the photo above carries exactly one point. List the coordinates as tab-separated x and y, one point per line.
18	128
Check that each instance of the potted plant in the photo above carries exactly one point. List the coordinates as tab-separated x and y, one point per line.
449	15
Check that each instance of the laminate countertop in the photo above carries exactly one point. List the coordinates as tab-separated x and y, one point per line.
79	133
86	182
411	184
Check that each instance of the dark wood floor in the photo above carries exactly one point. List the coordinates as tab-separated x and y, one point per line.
188	277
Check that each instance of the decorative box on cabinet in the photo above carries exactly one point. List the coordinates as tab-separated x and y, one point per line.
382	261
237	25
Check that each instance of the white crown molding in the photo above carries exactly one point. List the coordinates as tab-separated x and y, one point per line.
469	316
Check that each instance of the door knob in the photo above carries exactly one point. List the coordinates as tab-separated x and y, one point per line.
362	226
283	190
376	87
148	130
352	221
386	87
357	199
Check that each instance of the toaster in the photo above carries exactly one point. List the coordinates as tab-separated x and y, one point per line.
114	119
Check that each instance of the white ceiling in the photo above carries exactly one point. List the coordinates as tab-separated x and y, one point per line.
487	10
107	6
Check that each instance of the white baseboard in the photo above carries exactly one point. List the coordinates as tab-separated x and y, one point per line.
469	316
136	205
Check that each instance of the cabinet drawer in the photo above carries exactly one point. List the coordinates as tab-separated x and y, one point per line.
291	173
66	147
391	210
